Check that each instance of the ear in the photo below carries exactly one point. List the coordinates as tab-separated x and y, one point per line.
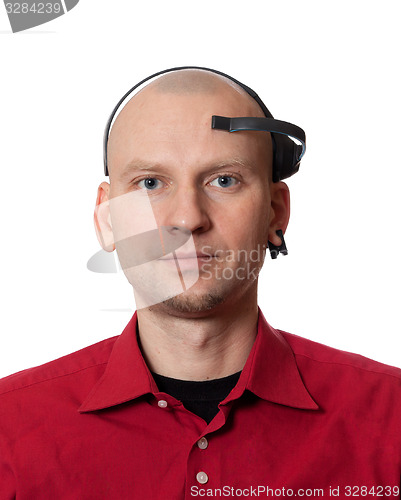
102	218
280	210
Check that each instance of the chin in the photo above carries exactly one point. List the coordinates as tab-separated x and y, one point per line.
194	303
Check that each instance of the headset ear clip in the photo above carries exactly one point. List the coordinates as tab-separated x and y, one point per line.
274	249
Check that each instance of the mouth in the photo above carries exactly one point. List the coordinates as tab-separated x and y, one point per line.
190	262
192	256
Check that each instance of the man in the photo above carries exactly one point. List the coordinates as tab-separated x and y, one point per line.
199	396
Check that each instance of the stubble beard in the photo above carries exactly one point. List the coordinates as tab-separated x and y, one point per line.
192	304
195	301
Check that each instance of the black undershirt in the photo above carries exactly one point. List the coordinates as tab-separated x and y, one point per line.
201	398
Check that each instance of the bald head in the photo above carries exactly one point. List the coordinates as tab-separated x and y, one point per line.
190	81
186	89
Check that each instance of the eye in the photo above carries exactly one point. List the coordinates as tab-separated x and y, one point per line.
224	181
149	184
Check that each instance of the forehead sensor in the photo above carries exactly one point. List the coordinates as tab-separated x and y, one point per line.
287	154
263	125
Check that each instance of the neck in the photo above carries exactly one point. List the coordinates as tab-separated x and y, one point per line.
202	346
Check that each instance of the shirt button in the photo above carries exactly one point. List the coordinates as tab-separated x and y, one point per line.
202	443
202	478
162	403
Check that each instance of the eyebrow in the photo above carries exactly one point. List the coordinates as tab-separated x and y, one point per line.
137	165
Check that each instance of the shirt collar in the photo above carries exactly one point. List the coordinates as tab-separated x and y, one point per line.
126	376
270	372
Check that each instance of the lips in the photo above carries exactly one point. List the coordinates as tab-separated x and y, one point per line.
180	256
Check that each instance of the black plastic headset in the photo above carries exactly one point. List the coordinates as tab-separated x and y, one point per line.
287	154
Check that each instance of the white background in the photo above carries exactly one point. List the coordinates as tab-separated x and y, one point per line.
332	68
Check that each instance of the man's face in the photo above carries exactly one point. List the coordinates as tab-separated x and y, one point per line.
213	183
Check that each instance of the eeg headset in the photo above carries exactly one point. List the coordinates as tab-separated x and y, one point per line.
287	154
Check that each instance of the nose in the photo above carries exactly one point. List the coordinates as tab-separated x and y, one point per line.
187	207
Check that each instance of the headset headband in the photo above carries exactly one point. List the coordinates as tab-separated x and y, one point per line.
287	154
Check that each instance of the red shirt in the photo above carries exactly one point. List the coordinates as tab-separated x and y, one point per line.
92	425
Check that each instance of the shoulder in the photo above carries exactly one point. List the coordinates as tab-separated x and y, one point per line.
350	388
308	352
93	357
